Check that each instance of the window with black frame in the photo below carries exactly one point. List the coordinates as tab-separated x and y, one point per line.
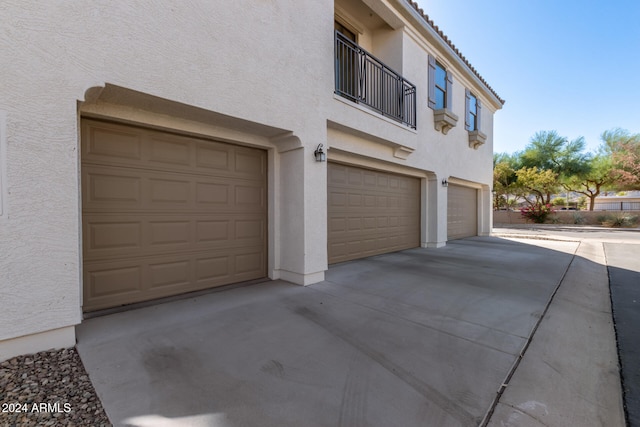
473	108
440	95
473	113
441	87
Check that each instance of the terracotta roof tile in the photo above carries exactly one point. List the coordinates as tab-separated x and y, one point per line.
452	46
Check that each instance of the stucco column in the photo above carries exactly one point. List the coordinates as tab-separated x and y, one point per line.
485	220
436	212
302	217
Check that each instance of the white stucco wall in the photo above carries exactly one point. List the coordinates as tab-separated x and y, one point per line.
255	73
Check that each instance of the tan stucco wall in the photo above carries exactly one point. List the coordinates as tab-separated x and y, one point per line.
234	60
255	73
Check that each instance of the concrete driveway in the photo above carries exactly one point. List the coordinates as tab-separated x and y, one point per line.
424	337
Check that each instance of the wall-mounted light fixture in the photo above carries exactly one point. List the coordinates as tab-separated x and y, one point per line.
445	183
320	155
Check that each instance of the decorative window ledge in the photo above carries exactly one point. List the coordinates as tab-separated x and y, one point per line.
444	120
476	139
402	152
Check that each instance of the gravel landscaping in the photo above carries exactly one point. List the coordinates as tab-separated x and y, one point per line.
50	388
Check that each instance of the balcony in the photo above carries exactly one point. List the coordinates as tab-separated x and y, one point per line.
364	79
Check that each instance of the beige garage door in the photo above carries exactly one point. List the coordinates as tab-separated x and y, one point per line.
462	212
164	214
371	212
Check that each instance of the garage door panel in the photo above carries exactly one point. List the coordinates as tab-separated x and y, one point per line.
382	182
169	191
170	232
130	235
248	263
337	176
250	196
369	223
170	152
125	281
248	163
114	235
382	223
172	273
369	214
107	284
462	212
104	188
159	221
112	279
216	267
337	225
104	141
213	156
241	162
118	189
212	230
249	229
358	177
117	145
338	250
211	193
355	224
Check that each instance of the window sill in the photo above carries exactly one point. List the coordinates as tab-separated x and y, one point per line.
476	139
444	120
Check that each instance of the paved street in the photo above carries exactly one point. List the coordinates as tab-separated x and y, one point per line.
621	250
623	261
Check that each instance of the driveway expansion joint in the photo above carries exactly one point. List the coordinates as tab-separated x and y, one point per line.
487	418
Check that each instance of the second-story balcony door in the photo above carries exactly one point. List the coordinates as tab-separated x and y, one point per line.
364	79
347	63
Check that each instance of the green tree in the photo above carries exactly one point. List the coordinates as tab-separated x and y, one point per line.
592	181
624	149
541	183
559	201
547	150
504	179
582	202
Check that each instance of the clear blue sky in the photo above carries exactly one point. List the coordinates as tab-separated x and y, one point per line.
565	65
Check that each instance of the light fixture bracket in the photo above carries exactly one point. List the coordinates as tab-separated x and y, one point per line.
319	154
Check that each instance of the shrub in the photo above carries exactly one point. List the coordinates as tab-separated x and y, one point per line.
620	220
582	202
559	201
537	213
578	218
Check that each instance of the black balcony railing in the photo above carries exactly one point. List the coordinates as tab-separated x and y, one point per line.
363	78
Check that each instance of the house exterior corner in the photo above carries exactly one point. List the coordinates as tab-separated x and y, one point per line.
148	153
